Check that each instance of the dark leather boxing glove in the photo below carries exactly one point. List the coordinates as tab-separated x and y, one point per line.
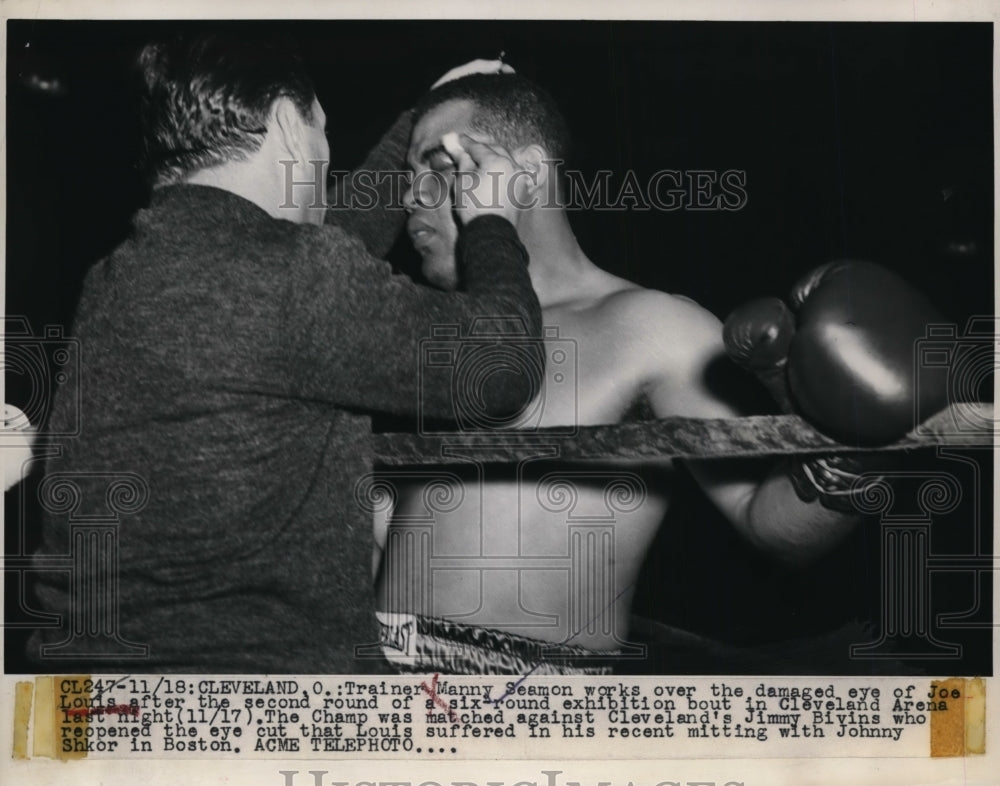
758	336
848	367
851	363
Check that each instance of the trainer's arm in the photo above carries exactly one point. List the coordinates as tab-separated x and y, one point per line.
756	496
368	201
355	331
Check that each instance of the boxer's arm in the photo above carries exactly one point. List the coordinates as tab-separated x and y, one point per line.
368	201
756	496
771	515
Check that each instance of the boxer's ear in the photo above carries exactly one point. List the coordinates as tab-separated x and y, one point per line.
533	159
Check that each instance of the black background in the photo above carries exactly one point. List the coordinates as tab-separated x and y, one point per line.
861	140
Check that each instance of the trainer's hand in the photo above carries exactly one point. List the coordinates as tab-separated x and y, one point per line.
484	179
474	67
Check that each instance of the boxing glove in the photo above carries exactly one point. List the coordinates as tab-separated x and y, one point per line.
851	363
758	336
848	368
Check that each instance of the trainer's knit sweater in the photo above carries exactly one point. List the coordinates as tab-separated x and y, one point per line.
228	361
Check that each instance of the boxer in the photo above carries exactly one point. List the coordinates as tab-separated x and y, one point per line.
640	353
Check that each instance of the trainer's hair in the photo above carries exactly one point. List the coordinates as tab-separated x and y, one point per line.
207	100
513	110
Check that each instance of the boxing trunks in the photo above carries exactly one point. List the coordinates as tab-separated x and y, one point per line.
419	644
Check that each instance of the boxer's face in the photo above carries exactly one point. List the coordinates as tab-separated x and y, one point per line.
431	225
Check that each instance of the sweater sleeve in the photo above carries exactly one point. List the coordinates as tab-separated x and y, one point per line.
368	201
364	338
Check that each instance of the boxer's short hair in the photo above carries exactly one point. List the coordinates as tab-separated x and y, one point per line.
207	99
513	110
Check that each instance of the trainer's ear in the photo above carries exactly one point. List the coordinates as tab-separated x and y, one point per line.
291	128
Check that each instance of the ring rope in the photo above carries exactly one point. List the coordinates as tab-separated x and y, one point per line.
965	424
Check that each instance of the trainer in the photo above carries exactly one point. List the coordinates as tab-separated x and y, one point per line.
232	349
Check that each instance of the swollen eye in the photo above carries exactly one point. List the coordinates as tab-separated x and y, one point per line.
441	161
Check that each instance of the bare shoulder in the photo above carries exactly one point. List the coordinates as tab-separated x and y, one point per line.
654	303
669	323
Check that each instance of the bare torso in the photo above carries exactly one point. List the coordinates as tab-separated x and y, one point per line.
547	549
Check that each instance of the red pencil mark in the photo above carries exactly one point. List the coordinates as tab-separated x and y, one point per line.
432	692
111	709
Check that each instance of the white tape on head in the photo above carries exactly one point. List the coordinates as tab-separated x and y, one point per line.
452	145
